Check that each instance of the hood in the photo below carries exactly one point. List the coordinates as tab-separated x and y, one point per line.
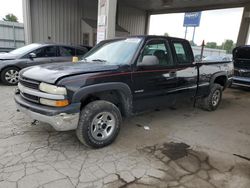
50	73
7	56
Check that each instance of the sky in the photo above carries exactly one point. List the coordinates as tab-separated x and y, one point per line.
215	25
11	6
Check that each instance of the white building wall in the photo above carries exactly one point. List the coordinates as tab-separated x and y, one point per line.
60	20
55	21
132	19
11	35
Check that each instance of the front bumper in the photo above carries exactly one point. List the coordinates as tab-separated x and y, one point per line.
61	119
241	81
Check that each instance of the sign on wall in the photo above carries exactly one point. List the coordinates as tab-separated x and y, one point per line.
192	19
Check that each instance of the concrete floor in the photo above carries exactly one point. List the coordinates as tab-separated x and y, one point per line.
184	147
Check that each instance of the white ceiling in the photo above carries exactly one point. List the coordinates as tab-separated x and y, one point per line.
161	6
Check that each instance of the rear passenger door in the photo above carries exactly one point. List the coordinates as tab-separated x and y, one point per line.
66	53
154	76
186	70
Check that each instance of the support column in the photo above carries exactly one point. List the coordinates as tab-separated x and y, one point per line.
244	27
147	23
27	21
106	19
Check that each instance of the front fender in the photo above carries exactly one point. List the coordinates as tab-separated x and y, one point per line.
122	88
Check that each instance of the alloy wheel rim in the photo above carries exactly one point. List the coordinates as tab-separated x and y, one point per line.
103	126
216	98
11	76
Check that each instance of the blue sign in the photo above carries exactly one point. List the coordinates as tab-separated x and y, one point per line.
192	19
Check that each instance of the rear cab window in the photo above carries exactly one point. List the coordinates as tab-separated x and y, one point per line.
183	52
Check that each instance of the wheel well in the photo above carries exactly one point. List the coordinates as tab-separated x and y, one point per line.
222	80
112	96
11	66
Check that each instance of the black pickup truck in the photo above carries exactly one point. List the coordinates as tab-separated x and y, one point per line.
116	79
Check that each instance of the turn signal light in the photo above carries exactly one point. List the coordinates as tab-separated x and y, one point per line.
62	103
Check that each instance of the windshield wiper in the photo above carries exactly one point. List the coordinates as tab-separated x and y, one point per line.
100	60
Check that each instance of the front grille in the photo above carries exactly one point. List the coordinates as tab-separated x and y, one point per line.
29	83
245	74
236	73
30	98
242	64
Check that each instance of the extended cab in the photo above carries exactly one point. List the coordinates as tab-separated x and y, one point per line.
116	79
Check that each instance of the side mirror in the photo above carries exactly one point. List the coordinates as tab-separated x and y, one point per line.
32	55
149	60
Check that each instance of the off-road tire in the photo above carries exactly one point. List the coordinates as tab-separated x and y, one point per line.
87	116
207	103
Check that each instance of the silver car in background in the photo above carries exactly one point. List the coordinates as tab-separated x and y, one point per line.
35	54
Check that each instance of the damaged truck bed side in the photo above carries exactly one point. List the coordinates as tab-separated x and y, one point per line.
116	79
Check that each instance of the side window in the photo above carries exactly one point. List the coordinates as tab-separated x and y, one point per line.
156	53
39	52
67	51
181	53
50	51
80	52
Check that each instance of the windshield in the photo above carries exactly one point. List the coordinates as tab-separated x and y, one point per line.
25	49
116	52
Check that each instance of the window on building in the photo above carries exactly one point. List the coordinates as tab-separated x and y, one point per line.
85	39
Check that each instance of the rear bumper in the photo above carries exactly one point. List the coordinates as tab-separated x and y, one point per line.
61	119
241	81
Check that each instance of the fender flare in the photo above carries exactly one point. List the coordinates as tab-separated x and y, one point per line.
216	75
122	88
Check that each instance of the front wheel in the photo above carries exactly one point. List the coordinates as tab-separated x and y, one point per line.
9	76
99	124
213	100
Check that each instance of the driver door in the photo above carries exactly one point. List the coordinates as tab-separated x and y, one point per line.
44	55
154	77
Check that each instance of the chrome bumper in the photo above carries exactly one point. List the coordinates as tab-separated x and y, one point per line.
60	122
241	81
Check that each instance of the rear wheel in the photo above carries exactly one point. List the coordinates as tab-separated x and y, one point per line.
99	124
9	76
213	100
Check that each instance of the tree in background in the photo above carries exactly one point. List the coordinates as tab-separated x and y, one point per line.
212	45
228	45
10	18
166	34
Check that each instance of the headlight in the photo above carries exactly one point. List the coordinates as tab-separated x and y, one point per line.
48	88
49	102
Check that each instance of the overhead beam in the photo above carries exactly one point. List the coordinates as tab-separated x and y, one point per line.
198	8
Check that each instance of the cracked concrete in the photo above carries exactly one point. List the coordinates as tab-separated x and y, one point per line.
184	147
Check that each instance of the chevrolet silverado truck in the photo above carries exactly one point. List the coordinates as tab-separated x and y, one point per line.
117	79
